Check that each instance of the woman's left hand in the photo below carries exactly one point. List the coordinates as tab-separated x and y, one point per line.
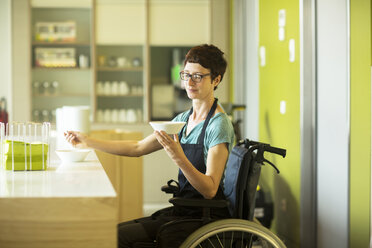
171	146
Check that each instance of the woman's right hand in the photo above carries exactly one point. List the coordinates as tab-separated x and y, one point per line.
76	139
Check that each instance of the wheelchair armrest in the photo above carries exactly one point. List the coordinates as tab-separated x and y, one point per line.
205	203
170	189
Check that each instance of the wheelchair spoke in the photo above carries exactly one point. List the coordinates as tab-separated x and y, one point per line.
233	234
234	239
219	241
211	243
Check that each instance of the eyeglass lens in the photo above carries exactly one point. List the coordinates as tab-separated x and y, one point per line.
194	77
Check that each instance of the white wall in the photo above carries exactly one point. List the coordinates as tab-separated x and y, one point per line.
251	127
21	84
220	36
5	51
333	123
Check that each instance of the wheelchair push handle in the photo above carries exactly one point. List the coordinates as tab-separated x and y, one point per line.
266	147
276	150
261	148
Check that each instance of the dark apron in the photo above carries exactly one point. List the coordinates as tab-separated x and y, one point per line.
195	154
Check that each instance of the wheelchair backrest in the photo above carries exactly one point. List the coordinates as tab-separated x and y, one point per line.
241	179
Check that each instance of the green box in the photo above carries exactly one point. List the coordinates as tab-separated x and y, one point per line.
19	153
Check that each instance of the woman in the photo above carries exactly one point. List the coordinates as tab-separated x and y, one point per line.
200	150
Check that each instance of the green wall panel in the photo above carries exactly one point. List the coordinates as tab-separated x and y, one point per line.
280	81
360	116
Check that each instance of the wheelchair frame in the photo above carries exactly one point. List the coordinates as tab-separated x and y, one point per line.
243	170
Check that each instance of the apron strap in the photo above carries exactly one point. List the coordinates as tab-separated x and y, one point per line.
206	122
209	116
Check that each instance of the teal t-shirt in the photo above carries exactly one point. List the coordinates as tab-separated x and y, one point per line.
219	130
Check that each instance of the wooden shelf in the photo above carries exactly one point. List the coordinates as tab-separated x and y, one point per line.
59	43
62	68
119	68
129	95
60	95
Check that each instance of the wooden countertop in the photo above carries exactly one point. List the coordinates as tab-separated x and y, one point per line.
68	205
79	179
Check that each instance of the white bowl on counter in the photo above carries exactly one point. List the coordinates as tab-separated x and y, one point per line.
170	127
72	155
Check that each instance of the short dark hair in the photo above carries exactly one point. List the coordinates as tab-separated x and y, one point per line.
208	56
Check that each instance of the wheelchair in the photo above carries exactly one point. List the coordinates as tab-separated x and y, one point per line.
242	173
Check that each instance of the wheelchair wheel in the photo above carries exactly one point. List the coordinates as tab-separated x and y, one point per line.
232	233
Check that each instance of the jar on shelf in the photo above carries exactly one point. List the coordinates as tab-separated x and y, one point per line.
122	115
45	115
107	88
83	61
99	88
36	87
122	62
136	62
107	115
45	88
101	60
36	115
123	88
131	116
112	62
54	87
99	115
115	116
115	88
53	115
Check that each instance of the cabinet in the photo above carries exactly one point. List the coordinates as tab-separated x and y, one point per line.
121	65
61	50
125	174
123	60
180	22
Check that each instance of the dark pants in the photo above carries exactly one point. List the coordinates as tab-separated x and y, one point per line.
140	230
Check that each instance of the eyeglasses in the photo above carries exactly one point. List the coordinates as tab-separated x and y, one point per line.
196	78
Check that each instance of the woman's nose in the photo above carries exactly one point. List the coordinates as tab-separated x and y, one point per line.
189	81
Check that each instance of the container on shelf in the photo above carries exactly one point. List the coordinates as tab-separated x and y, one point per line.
24	146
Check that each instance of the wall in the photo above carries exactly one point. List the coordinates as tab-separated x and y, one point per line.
252	74
280	81
5	51
360	135
343	121
332	123
220	33
20	61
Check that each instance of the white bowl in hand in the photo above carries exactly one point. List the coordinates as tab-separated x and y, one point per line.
72	155
170	127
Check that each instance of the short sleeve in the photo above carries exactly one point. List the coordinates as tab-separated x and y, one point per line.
220	130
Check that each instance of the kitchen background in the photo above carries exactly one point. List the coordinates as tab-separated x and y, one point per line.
302	68
119	57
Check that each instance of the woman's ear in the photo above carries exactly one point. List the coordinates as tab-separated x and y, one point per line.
216	81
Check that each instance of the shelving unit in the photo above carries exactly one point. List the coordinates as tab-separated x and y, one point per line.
54	83
122	41
120	85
